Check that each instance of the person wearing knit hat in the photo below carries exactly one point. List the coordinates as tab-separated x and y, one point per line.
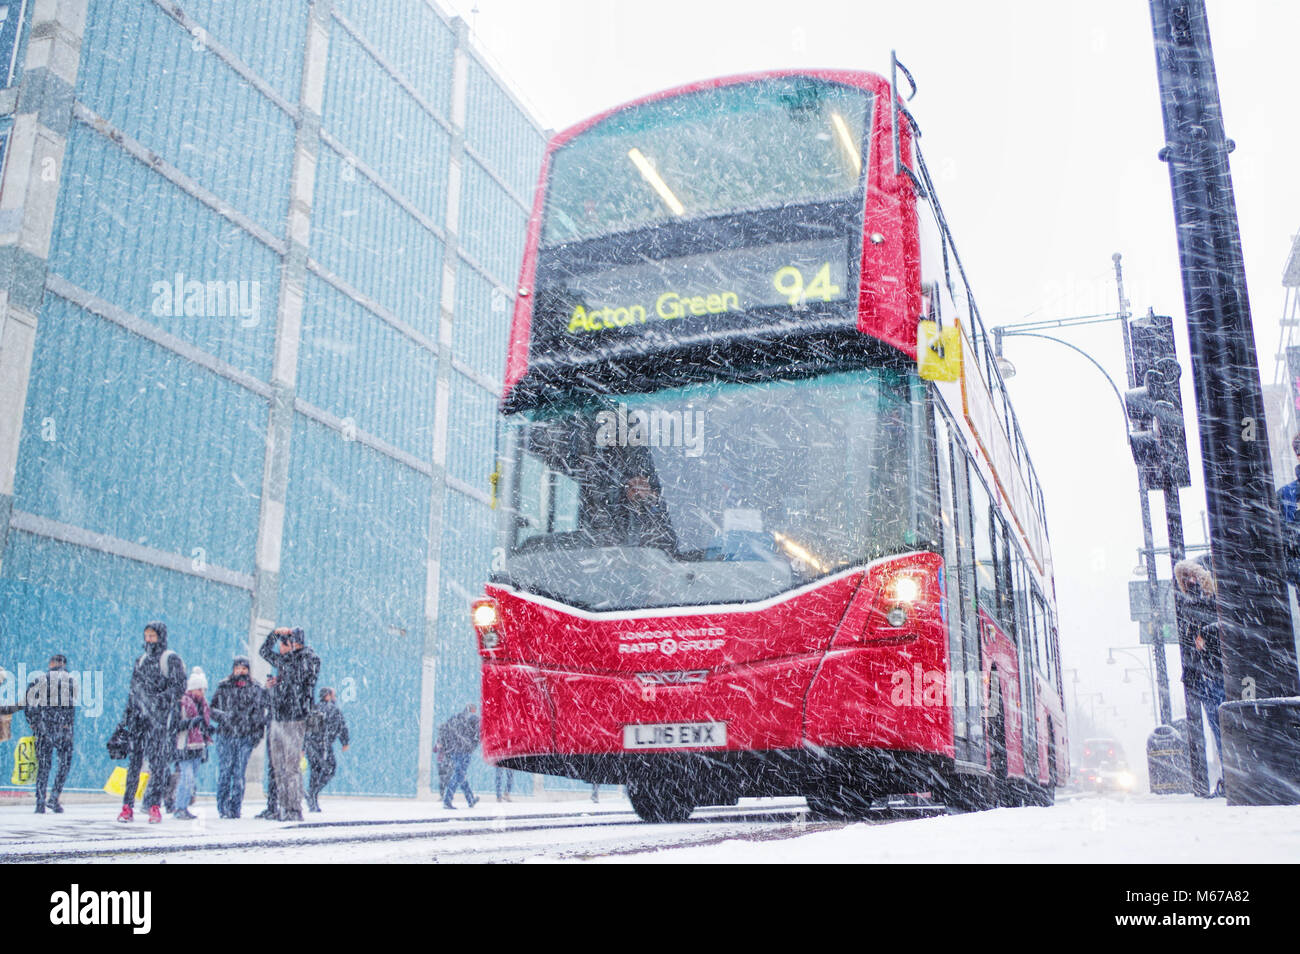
192	739
241	709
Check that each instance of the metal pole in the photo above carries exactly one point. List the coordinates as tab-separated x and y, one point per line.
1157	646
1144	502
1261	719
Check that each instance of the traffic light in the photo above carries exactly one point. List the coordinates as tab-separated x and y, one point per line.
1157	434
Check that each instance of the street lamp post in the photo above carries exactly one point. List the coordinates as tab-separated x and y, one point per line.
1145	670
1021	331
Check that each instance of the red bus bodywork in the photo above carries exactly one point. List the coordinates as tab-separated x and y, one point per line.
808	683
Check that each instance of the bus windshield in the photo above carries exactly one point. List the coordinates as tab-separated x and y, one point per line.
732	149
709	494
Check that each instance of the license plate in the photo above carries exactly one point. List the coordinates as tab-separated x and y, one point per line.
675	735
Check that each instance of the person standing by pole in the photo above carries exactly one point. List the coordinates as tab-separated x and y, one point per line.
1203	671
1288	499
291	701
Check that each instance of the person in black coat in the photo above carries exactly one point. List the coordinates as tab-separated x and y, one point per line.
50	707
324	725
1196	592
291	700
241	709
150	722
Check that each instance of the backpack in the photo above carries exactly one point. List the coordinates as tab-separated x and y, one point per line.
315	722
166	656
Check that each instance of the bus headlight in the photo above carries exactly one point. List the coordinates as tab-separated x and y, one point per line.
907	602
486	617
905	589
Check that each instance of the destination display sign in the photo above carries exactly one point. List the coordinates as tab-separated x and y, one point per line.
689	296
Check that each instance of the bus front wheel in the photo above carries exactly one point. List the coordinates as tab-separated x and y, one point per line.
659	800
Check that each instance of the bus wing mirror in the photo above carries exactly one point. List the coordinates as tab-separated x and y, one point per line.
938	351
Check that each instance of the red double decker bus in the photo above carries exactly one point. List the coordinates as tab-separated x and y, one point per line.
746	548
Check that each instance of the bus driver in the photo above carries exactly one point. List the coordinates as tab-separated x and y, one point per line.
639	516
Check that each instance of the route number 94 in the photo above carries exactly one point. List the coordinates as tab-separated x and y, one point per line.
790	282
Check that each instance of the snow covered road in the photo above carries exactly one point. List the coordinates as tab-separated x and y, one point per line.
1084	829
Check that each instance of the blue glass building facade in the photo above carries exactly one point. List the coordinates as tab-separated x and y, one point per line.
257	263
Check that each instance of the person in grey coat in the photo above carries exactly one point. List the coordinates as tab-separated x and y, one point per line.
296	669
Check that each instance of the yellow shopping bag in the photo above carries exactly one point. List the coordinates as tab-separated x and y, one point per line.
116	784
24	761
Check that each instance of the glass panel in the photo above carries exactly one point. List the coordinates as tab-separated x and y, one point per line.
11	25
986	581
957	664
1004	607
713	493
970	618
738	148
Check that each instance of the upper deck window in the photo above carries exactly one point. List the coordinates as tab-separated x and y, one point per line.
748	146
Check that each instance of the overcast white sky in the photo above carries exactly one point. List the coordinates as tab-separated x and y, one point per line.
1041	124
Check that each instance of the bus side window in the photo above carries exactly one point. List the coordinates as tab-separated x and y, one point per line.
949	535
1005	611
926	502
985	569
548	500
1021	596
1041	640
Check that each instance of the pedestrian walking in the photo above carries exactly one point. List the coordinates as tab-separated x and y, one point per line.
149	723
192	739
241	709
443	763
458	738
1201	650
505	781
291	700
50	706
324	725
